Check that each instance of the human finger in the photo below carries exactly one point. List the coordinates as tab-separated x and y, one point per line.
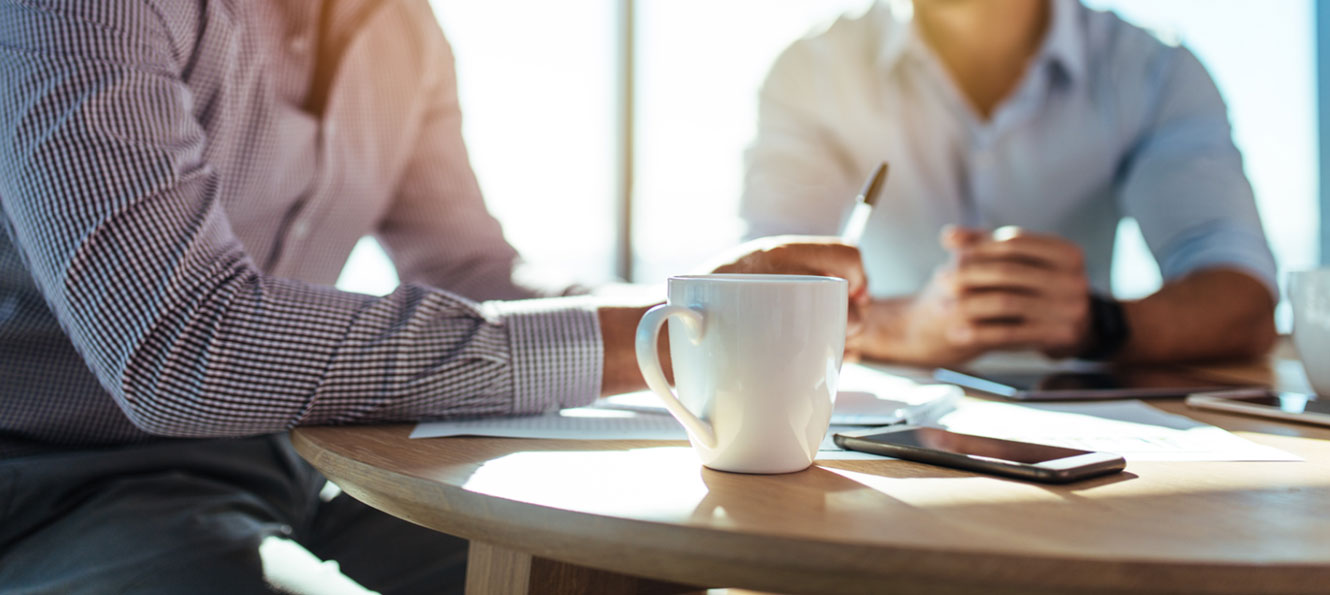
956	237
802	255
1008	305
1017	276
1042	250
832	259
1010	335
854	323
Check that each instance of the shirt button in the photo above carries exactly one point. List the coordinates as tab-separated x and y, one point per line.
299	44
300	229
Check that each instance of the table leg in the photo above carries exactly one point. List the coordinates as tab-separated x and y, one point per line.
496	570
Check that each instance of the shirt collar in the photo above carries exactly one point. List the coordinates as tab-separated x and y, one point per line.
1063	45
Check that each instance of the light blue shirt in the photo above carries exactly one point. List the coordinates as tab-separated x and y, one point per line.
1108	121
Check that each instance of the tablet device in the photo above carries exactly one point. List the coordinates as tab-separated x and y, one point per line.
1135	383
1298	407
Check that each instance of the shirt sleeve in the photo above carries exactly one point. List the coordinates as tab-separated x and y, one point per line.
109	197
794	163
438	230
1183	179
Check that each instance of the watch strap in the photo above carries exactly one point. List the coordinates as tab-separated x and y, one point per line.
1108	329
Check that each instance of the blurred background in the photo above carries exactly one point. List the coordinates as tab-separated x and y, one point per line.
608	135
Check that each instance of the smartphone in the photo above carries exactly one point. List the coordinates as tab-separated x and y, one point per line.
1297	407
1137	383
1022	460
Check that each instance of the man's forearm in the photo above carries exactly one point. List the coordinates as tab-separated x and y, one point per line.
618	331
1215	314
1208	315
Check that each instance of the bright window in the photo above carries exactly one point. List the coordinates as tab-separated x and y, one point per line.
537	81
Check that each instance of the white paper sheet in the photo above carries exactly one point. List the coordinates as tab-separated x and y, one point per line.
589	423
1132	429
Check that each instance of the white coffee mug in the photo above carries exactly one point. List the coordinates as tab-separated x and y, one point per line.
756	362
1309	294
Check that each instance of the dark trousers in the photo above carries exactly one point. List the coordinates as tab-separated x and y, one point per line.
207	516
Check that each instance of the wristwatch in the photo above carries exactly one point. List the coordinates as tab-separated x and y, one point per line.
1108	329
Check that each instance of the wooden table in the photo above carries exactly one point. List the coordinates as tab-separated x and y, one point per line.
548	516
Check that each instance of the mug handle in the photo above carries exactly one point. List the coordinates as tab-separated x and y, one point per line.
648	360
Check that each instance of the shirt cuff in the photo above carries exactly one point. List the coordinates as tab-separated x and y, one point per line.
557	353
1235	249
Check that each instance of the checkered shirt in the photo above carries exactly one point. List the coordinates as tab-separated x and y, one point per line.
174	216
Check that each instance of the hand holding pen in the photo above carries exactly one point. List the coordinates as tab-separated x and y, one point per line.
851	235
863	206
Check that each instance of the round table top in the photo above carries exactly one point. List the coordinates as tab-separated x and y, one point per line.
650	509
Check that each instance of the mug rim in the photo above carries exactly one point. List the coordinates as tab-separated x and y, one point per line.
757	278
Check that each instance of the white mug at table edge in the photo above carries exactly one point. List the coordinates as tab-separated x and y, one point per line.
756	362
1309	294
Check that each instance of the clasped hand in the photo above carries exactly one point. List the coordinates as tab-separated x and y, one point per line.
1008	289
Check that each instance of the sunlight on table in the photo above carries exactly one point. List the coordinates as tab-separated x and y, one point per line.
642	482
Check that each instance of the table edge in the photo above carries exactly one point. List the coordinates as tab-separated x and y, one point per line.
690	554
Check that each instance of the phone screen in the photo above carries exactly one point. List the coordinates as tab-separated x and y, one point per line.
978	446
1290	402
